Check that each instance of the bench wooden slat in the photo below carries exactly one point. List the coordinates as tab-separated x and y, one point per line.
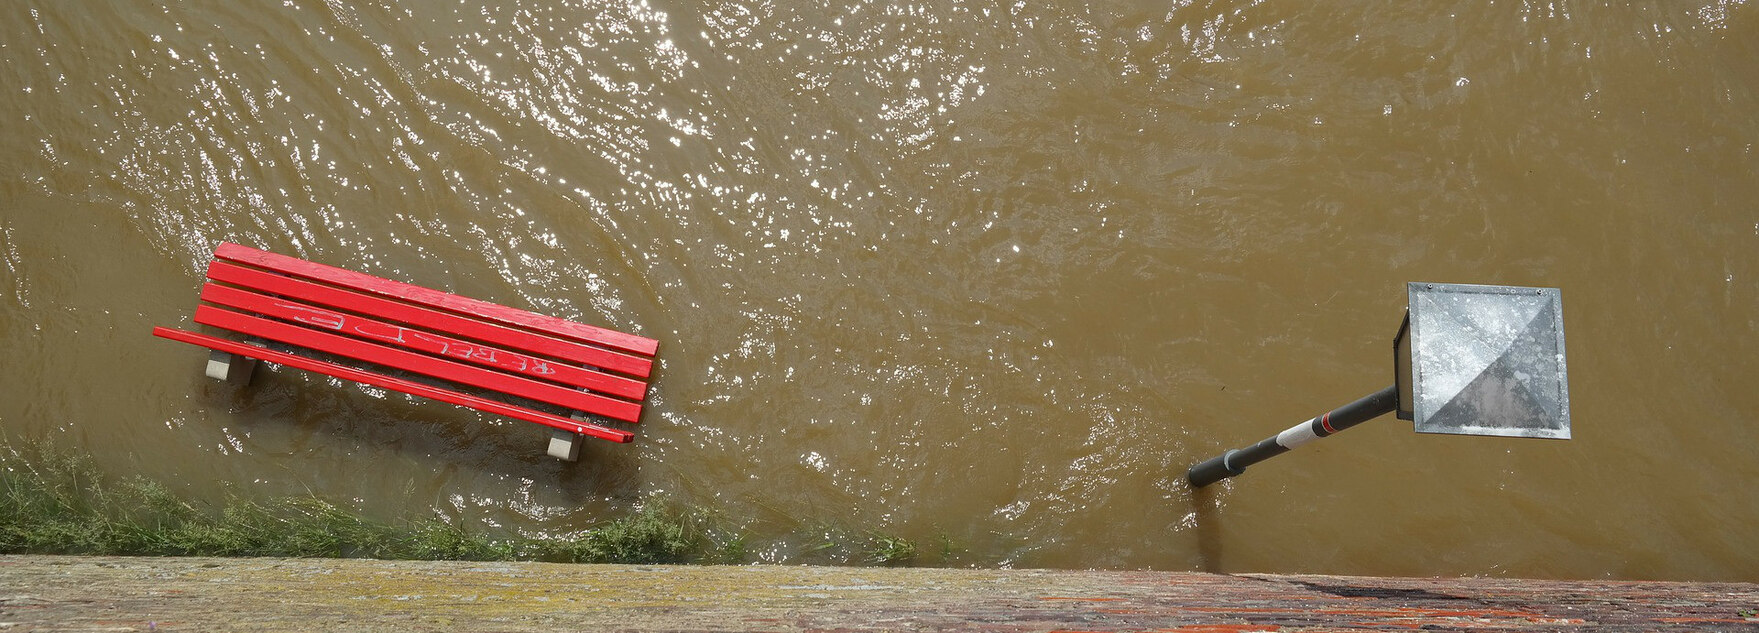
421	340
435	298
429	318
395	384
416	362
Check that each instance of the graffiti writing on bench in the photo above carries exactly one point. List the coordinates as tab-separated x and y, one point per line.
416	339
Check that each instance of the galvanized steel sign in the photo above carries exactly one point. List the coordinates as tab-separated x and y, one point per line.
1484	360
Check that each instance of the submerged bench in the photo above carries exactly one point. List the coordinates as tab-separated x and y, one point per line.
318	312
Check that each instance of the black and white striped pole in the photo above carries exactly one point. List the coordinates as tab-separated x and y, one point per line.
1234	462
1468	360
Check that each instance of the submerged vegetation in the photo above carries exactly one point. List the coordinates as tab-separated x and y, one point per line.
53	502
885	549
57	503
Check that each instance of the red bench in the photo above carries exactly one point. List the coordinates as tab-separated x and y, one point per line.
320	314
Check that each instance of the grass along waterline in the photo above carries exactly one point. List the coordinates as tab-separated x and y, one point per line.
55	502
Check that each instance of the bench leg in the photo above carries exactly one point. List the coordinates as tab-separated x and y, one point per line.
565	445
231	368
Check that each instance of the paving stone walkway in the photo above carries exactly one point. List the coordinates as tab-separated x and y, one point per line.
53	593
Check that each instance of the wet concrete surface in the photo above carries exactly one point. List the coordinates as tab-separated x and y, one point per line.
57	593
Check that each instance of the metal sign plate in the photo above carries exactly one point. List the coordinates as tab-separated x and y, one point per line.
1486	360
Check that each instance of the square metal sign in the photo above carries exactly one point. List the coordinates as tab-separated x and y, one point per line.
1483	360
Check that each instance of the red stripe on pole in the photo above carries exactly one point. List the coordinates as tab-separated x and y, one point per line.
435	298
1325	421
421	341
429	318
395	384
419	363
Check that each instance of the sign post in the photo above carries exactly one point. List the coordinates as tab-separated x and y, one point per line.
1468	360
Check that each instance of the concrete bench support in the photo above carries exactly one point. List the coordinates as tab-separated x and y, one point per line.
565	445
231	368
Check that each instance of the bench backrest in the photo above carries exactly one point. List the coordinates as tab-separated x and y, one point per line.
426	331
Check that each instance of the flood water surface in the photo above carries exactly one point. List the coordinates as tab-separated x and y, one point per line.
985	276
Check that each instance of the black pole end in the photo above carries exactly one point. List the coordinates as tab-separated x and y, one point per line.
1212	470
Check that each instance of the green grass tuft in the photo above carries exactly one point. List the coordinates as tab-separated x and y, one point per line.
885	549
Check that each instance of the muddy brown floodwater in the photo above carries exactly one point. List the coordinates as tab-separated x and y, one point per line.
982	273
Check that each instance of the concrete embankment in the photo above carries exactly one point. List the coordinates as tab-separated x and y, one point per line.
55	593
